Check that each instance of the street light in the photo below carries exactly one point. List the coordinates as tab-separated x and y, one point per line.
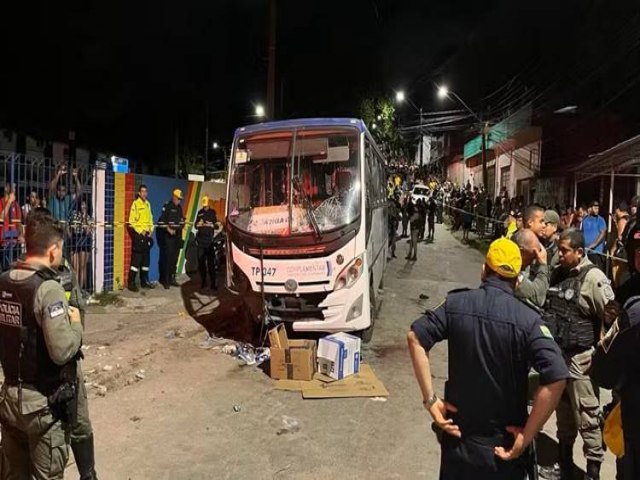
259	111
443	91
401	98
215	145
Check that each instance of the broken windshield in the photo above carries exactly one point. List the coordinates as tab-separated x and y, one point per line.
283	181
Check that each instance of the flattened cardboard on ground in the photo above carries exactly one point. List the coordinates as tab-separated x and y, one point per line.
363	384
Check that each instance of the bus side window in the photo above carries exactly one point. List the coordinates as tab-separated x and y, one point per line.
370	185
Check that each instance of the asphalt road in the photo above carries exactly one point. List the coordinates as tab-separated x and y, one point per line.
180	422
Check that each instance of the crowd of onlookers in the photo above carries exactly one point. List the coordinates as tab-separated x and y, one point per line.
575	270
71	208
472	209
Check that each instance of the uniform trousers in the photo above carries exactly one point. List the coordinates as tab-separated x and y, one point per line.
169	252
579	408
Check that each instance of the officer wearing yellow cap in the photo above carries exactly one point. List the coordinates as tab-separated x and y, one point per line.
169	235
493	340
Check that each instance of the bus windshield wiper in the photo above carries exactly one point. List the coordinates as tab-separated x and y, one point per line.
306	203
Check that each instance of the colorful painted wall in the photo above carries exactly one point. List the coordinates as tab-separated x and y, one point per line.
114	194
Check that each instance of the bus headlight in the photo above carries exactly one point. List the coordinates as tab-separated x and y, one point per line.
350	274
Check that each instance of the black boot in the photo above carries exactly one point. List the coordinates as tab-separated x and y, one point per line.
132	282
593	470
144	280
174	282
565	453
85	458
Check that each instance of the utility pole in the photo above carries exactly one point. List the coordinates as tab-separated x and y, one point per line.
421	138
271	73
175	158
485	172
206	142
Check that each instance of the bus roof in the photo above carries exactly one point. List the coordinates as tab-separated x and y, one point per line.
302	122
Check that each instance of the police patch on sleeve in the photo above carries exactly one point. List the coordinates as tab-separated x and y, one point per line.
607	292
545	331
56	310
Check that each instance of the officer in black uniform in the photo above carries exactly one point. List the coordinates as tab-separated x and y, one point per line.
616	365
205	223
494	339
169	236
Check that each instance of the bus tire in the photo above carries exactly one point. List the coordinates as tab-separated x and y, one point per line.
367	334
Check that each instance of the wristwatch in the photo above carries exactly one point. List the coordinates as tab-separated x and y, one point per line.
430	401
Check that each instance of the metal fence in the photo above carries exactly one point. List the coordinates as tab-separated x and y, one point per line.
66	190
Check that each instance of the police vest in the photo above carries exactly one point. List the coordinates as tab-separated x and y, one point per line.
570	327
23	351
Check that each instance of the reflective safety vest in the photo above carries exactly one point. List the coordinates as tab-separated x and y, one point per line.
570	327
140	216
23	351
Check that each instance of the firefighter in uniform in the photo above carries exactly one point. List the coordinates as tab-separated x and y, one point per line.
40	338
579	306
205	223
493	341
141	228
169	236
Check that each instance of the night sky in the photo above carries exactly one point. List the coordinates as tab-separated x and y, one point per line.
125	75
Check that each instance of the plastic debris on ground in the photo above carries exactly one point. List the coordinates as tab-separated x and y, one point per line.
289	425
140	374
246	353
378	399
236	408
211	341
175	333
249	355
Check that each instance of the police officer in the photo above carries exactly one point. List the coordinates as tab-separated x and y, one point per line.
169	236
205	224
494	339
631	287
532	283
616	364
579	305
40	338
81	432
141	224
549	238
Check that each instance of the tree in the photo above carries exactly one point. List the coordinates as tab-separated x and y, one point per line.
379	114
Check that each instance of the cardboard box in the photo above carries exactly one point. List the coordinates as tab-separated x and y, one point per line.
339	355
278	337
295	361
